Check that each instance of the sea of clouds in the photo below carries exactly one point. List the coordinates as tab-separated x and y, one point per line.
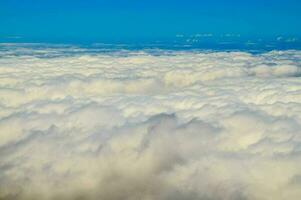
134	125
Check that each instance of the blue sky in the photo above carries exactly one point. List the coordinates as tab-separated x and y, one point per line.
118	20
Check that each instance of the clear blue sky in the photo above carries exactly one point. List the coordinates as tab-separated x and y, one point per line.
76	20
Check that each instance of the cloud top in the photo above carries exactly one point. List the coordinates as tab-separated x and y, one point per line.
135	125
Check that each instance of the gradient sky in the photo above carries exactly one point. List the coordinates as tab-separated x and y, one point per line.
91	20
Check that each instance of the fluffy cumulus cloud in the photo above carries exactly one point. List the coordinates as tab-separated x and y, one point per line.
142	125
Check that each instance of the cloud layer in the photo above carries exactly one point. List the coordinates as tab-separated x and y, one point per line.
151	126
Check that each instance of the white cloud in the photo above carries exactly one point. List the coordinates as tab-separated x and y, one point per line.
131	125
